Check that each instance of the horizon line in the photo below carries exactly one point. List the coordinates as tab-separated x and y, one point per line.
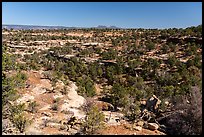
108	27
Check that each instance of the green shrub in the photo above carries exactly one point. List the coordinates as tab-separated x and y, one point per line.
94	121
56	100
86	86
17	117
16	110
131	110
20	122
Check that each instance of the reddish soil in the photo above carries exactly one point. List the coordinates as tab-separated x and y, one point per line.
123	130
33	78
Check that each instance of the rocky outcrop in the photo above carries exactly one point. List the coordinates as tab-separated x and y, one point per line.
113	118
70	104
151	104
74	102
59	86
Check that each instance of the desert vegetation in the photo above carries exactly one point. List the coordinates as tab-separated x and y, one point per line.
129	66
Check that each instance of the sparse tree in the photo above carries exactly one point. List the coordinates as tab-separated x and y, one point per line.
94	121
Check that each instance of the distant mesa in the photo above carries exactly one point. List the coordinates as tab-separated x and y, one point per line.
105	27
27	27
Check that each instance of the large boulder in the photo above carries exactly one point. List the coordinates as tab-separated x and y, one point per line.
153	103
74	103
153	126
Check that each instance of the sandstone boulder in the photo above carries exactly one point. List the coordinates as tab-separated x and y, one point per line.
153	126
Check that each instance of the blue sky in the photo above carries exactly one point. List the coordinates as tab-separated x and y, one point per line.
92	14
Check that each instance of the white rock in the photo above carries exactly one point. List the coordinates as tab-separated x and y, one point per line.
166	102
59	95
26	97
138	128
45	118
112	117
38	90
76	103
